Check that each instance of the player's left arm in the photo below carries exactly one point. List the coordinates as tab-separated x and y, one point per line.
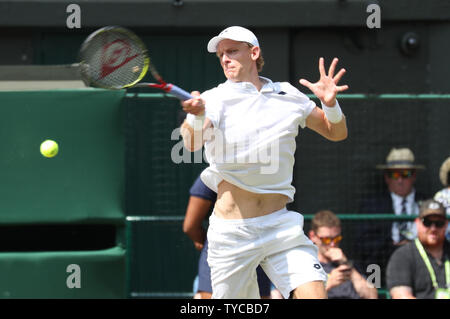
328	121
318	122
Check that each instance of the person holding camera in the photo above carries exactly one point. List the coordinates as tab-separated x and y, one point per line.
344	281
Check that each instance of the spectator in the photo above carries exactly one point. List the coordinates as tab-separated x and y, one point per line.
344	281
443	196
201	201
421	269
379	239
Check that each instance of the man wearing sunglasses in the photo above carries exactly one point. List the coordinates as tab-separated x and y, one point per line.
400	176
344	281
421	268
380	238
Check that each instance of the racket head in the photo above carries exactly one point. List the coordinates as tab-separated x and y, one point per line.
113	57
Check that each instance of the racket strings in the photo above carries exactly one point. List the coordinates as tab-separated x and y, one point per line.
113	59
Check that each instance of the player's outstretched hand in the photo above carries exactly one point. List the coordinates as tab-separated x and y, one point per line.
326	88
195	105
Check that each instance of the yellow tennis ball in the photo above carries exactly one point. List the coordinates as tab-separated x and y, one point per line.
49	148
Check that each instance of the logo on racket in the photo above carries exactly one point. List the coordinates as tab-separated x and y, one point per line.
115	55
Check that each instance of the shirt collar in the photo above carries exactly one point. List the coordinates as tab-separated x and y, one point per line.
409	198
267	85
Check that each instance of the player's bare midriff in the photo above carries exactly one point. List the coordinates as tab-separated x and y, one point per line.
235	203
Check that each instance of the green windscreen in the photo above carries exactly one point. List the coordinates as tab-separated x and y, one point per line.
85	181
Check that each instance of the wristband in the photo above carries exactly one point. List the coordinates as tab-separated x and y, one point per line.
333	114
194	121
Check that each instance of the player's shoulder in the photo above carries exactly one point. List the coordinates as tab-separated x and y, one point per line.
209	92
215	92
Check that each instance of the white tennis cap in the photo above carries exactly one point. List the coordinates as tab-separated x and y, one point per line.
233	33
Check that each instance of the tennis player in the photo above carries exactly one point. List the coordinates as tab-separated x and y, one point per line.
248	125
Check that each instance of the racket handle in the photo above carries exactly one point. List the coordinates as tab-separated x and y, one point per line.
178	92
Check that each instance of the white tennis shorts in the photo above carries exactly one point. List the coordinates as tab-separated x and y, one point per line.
275	241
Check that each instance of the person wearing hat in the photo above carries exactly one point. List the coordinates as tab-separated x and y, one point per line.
421	268
380	238
400	177
443	196
248	125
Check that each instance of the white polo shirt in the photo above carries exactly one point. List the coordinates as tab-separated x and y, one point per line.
253	141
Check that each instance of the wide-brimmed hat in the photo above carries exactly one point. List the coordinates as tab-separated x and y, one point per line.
399	158
443	172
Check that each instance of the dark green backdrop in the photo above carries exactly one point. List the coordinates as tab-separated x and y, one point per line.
69	209
85	180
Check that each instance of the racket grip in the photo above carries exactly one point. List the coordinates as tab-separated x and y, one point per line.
179	93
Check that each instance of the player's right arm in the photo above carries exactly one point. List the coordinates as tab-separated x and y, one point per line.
192	130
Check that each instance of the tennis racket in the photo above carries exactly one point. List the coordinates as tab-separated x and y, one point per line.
115	58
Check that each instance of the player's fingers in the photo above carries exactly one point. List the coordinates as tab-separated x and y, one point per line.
195	101
198	103
187	109
332	67
321	67
339	75
186	104
305	83
191	109
194	106
342	88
